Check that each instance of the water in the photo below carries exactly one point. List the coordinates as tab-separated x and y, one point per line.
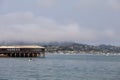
61	67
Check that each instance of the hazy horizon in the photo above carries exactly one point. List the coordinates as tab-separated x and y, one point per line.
84	21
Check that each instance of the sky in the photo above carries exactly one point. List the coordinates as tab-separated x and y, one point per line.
83	21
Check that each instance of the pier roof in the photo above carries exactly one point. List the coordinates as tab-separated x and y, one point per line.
22	46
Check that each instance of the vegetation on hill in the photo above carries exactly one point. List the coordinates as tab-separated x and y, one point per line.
70	47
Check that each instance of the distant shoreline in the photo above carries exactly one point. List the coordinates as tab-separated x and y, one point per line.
85	53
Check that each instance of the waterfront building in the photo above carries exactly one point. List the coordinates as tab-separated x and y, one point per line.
22	51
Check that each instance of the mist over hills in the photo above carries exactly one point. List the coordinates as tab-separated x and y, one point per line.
69	47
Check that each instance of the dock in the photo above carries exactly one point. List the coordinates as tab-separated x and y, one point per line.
22	51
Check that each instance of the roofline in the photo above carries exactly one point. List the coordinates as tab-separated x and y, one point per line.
22	46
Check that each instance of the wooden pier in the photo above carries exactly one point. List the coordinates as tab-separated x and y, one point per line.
22	51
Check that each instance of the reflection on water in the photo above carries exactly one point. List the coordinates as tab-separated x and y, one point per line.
61	67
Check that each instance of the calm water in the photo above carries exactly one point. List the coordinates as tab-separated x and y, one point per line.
61	67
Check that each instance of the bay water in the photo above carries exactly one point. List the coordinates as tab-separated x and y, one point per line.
61	67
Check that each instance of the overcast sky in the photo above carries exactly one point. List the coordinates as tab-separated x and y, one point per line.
84	21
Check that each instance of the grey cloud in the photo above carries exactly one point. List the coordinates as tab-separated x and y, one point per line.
28	27
92	4
114	4
1	2
46	3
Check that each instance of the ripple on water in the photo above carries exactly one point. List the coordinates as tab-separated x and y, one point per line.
61	67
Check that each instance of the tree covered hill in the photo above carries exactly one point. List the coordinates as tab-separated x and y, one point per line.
69	47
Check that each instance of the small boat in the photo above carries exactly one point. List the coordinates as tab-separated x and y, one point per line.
30	59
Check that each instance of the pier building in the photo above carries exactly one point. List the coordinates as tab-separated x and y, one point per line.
22	51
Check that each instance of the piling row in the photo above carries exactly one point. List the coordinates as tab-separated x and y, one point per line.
22	51
26	55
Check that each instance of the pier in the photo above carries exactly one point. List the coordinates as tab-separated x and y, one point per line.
22	51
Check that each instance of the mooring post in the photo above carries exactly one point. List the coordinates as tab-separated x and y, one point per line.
24	54
28	55
15	54
10	54
19	54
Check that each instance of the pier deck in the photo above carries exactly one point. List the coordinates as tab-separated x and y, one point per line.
22	51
